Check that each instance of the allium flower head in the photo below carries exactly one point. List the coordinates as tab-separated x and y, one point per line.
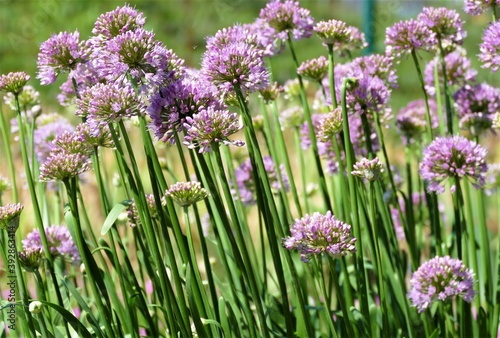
411	120
85	76
458	71
292	88
439	279
492	179
30	259
186	193
477	106
288	17
179	99
265	37
45	134
69	142
370	170
61	53
453	157
133	214
95	137
28	98
446	23
59	242
235	64
211	125
477	7
375	65
246	184
292	117
490	47
343	38
369	96
315	69
271	93
61	166
118	21
407	36
9	216
317	234
330	125
13	82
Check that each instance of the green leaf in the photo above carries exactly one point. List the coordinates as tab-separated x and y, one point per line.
113	216
70	319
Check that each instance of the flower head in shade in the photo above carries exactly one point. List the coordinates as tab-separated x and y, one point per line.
453	157
315	69
235	64
133	214
411	120
477	7
95	137
407	36
118	21
179	99
28	99
477	106
490	47
317	234
30	259
246	184
330	125
369	96
439	279
271	93
9	216
211	125
446	23
186	193
59	242
288	17
492	179
61	53
343	38
370	170
13	82
292	88
85	75
45	134
292	117
458	71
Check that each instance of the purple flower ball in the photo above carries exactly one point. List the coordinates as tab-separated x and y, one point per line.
446	23
453	157
118	21
490	47
59	241
288	17
407	36
477	7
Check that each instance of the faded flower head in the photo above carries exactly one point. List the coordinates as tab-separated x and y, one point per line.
186	193
370	170
118	21
59	242
315	69
439	279
458	71
61	53
271	93
343	38
9	216
407	36
411	121
492	179
292	88
246	184
265	37
30	259
317	234
490	47
288	17
48	128
446	23
292	117
330	125
477	106
211	125
453	157
13	82
375	65
477	7
28	98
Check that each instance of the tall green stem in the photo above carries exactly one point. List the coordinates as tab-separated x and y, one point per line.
426	98
8	153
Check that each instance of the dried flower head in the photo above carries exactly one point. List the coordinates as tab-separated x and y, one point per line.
288	18
330	125
315	69
13	82
59	242
118	21
211	125
490	47
446	23
453	157
61	53
317	234
186	193
439	279
9	216
370	170
407	36
30	259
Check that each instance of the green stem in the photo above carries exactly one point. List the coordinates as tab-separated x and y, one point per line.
447	101
426	98
8	153
303	172
327	315
331	76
